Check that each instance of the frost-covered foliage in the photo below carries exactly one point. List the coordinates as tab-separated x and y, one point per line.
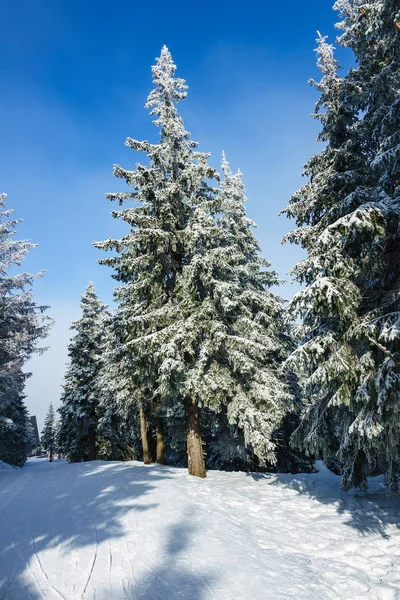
78	436
118	425
22	324
48	437
152	254
233	333
348	217
199	324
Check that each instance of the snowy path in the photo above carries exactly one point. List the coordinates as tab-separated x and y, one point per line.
108	531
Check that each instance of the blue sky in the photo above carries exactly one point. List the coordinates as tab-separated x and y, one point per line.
75	76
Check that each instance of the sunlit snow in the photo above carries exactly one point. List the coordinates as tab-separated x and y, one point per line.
110	531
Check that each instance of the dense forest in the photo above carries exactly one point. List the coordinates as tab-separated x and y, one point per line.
202	363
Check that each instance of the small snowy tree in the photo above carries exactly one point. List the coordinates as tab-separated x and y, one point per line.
349	217
80	399
48	437
22	324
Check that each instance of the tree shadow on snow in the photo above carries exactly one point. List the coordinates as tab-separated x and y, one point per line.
369	512
37	517
174	578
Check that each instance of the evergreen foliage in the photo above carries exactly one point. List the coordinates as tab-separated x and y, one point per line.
199	326
233	333
153	253
200	352
22	324
118	426
348	218
48	437
78	435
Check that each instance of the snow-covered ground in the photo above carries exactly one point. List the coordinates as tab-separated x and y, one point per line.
108	531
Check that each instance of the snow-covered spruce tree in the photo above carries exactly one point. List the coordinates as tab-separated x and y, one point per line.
349	218
80	399
314	206
48	437
154	251
264	320
232	335
22	324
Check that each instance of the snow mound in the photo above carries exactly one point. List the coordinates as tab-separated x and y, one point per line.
6	467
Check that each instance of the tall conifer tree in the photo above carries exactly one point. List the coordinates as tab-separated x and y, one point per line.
349	218
201	327
153	253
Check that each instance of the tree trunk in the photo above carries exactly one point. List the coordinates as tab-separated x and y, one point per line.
51	456
147	459
91	443
360	478
196	465
160	441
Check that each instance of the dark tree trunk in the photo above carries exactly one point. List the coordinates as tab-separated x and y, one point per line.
91	443
144	431
360	478
196	465
160	441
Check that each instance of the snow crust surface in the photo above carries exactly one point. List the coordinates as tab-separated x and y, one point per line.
110	531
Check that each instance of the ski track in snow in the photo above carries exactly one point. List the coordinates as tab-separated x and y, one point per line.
115	531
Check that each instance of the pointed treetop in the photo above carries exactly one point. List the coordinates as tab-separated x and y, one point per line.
50	413
164	63
90	302
89	294
169	89
225	165
233	180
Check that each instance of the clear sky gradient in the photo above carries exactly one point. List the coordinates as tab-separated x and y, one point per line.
74	79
